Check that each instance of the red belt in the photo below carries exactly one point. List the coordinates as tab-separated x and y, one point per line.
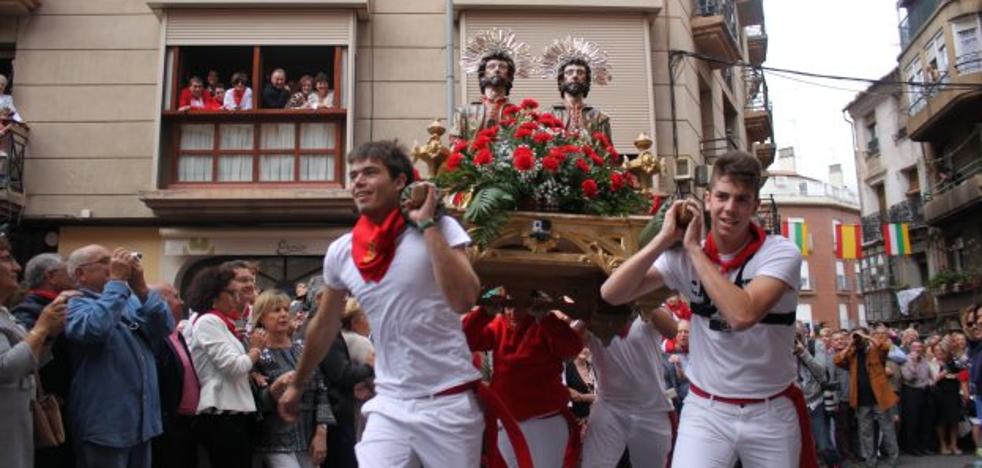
494	411
809	455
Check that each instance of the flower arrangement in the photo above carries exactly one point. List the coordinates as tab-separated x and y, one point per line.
530	162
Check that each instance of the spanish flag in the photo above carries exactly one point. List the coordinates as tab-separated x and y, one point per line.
848	241
896	238
797	232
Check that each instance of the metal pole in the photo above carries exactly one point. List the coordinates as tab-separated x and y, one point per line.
450	62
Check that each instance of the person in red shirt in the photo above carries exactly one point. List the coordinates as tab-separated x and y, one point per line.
529	346
195	97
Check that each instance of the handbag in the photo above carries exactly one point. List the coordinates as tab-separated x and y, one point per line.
49	430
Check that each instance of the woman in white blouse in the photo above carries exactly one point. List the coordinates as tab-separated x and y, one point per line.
223	365
240	96
323	97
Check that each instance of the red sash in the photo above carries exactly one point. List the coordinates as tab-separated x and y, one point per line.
373	246
495	411
225	319
757	237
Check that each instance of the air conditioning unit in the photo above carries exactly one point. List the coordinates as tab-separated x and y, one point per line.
685	168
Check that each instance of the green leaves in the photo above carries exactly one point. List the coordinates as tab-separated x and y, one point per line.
488	212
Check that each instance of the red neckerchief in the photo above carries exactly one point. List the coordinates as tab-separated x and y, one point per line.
374	246
757	237
45	293
237	95
225	319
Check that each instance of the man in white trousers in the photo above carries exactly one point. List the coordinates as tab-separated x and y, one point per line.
631	409
413	280
743	289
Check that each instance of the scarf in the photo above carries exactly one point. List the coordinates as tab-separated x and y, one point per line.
757	237
237	95
374	246
45	293
226	319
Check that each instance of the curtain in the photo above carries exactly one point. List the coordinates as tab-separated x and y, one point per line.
316	136
195	168
277	167
235	168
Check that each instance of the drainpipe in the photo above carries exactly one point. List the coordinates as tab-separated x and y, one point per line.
450	63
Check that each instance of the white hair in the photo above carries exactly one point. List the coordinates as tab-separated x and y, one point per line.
38	266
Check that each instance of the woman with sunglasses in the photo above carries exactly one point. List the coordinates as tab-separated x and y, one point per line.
223	364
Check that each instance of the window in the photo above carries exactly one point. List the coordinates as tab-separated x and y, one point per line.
872	142
262	144
841	280
844	316
803	188
936	52
859	278
861	314
804	313
913	182
914	73
968	45
806	283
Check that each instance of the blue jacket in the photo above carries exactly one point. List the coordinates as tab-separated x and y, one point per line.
114	399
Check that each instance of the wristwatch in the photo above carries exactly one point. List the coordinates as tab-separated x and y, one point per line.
425	224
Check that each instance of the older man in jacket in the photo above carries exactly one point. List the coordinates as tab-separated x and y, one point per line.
114	404
870	393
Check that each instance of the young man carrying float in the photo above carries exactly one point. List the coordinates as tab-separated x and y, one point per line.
413	282
743	289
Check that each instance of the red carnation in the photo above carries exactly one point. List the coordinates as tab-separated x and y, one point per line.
615	157
482	157
453	162
416	174
542	137
599	136
461	145
571	149
507	121
522	133
616	181
490	132
523	158
550	163
655	204
556	152
631	180
589	187
529	125
509	110
529	104
481	142
582	165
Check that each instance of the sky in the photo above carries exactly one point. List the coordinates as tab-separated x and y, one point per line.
856	38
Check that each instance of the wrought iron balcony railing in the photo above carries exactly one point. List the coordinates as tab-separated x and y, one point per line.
716	147
724	8
918	13
872	227
13	146
909	211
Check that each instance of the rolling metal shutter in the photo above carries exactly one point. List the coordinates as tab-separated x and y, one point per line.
259	27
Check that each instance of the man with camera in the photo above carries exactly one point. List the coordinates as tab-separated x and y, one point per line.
114	403
914	417
812	378
870	393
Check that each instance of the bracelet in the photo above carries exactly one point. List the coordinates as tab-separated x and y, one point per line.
425	224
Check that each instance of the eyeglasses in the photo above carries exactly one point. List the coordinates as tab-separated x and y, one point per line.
6	258
233	292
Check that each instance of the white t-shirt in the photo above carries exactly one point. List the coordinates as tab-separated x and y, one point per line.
753	363
419	342
629	370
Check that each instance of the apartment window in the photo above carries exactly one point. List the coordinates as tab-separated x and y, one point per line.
913	181
841	280
802	188
968	45
881	198
859	278
806	282
872	142
804	313
914	73
260	145
844	316
936	52
861	314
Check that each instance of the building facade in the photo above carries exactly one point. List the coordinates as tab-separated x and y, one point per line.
830	290
919	159
110	159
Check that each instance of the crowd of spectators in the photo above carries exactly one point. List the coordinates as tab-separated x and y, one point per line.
309	92
145	381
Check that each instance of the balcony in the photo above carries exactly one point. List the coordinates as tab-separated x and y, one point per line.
756	44
918	13
13	148
751	12
872	228
767	215
963	192
873	147
757	115
18	7
765	153
714	30
715	147
910	211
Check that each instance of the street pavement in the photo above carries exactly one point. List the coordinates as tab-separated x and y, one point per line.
940	461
